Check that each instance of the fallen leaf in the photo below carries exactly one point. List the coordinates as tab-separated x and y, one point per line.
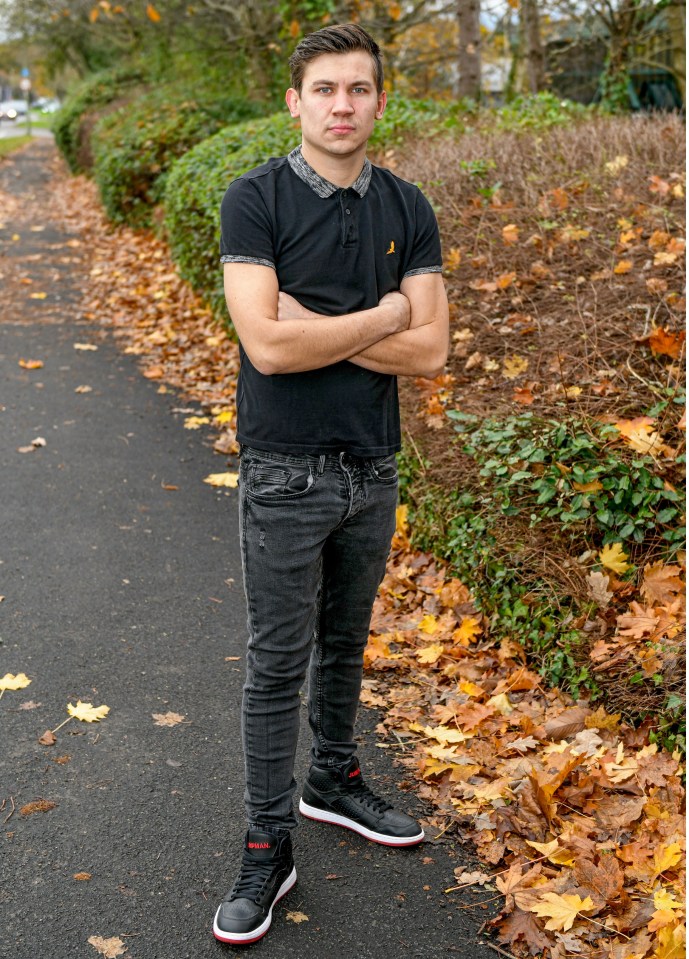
37	296
223	479
87	713
48	738
514	366
597	584
614	557
29	704
40	805
624	266
10	681
84	347
109	948
167	719
297	917
510	233
430	654
195	422
562	909
31	364
82	876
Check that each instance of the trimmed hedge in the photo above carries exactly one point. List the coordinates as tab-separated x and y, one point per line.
70	124
135	147
197	182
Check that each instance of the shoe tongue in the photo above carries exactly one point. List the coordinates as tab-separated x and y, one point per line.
351	774
261	845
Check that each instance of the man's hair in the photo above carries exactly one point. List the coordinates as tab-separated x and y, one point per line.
339	38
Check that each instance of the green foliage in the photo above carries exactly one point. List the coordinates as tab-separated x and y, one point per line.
197	182
537	468
528	470
467	529
100	90
538	112
135	147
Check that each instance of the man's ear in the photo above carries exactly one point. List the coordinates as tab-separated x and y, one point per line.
382	100
292	101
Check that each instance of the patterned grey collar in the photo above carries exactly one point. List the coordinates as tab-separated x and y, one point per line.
324	188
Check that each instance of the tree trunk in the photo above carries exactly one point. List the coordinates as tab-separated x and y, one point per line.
531	31
468	13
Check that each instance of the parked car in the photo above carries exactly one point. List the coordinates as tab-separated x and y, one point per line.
11	109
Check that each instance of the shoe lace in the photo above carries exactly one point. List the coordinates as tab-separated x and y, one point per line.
366	795
253	876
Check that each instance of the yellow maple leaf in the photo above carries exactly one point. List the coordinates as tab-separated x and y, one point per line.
553	851
429	624
434	767
87	713
470	689
501	704
453	259
469	629
505	280
514	366
430	654
223	479
671	943
667	857
194	422
224	416
10	681
562	909
442	733
614	557
401	520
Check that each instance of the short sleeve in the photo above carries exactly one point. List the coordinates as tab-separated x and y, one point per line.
426	255
246	230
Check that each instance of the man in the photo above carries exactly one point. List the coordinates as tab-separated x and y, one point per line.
333	282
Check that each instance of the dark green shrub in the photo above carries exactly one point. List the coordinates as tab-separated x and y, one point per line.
71	125
197	182
135	147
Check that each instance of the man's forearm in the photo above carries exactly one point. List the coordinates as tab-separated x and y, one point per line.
421	351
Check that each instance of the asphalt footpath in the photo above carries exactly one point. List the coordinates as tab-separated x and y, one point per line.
119	590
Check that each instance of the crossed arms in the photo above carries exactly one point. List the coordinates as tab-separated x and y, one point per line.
407	333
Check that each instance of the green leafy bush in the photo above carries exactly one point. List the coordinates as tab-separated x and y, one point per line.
541	492
71	126
539	112
197	182
577	475
135	147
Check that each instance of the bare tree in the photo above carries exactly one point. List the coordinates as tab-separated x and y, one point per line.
468	15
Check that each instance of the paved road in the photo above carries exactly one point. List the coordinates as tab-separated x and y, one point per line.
121	592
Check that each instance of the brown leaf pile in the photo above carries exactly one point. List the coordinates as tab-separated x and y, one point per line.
582	814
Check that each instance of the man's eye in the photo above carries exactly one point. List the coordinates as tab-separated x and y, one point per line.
323	89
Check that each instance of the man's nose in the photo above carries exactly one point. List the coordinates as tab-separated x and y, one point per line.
343	103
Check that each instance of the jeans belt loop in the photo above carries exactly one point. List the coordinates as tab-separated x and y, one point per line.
321	464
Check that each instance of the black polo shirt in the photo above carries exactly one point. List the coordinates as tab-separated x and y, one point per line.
337	251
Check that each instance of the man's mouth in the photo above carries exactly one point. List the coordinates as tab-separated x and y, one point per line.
342	128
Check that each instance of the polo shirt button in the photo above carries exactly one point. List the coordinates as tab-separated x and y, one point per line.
348	212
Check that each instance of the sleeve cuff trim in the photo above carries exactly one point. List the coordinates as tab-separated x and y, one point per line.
423	269
231	258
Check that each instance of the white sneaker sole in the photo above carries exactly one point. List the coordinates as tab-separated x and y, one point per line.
322	815
245	938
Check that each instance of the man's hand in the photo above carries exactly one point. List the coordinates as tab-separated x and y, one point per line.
400	307
291	309
395	304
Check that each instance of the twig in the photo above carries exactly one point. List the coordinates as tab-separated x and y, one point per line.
9	816
498	949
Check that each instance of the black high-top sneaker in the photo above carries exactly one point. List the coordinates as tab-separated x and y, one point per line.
339	795
267	873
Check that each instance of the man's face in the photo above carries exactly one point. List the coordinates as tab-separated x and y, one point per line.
338	104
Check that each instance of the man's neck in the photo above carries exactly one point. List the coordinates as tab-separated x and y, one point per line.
341	171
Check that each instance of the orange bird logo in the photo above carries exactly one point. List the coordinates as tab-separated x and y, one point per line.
392	247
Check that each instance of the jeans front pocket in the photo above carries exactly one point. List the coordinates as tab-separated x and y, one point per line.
384	469
278	482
